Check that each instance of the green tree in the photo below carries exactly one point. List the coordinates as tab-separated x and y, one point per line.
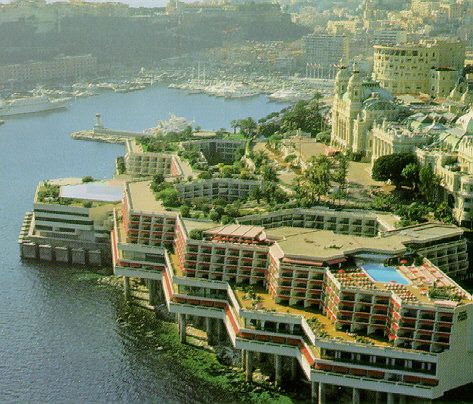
196	234
268	188
205	175
268	129
429	184
410	173
304	115
444	213
412	214
341	170
323	137
87	178
269	173
170	197
389	167
214	215
235	124
185	210
316	179
248	126
257	194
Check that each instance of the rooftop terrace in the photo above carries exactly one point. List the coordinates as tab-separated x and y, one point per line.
320	324
73	192
141	197
325	244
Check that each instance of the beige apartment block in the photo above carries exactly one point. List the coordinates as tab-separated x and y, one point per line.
427	67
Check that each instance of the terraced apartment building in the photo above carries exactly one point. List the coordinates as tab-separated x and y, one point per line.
139	163
229	189
71	221
216	149
364	312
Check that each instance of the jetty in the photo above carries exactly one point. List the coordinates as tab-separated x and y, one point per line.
100	133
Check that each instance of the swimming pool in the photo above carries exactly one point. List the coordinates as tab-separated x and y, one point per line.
93	191
380	273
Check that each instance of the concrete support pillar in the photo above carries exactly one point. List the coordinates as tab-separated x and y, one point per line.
322	388
356	396
220	330
249	366
126	287
182	323
243	359
402	399
209	330
390	398
152	292
378	399
314	389
278	369
294	366
161	296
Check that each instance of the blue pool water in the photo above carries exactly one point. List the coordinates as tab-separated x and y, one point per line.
93	191
380	273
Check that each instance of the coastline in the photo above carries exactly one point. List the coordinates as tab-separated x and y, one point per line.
199	360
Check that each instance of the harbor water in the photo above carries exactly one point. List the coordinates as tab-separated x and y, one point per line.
62	337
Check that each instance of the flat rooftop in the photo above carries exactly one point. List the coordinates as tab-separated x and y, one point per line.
142	198
93	191
426	232
194	224
325	244
239	231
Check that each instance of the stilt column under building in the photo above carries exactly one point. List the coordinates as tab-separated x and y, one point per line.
209	330
356	396
248	366
278	369
378	397
390	398
126	287
322	388
294	365
152	292
314	389
220	331
182	323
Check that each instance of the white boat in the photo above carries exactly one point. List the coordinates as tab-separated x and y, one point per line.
288	96
174	124
31	105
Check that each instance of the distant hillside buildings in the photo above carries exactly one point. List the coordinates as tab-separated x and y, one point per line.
65	67
326	50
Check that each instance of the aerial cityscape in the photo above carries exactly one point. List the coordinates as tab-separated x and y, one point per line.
230	201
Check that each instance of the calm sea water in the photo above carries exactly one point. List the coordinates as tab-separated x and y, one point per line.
59	336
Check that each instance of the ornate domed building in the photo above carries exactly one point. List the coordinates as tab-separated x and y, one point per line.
357	105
